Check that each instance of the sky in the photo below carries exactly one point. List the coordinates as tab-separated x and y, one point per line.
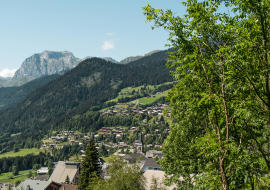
103	28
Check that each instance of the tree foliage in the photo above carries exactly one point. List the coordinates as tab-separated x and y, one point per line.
86	87
90	166
122	177
67	180
222	100
15	170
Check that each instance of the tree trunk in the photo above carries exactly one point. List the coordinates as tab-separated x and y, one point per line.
225	184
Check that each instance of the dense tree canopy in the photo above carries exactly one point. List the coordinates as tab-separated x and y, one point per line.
222	99
86	87
90	166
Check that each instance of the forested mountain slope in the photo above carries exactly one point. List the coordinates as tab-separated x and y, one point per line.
161	55
10	96
91	83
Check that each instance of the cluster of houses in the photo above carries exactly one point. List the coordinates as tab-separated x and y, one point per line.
62	169
70	136
107	133
151	111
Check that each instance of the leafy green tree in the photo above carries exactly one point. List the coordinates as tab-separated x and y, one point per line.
122	177
50	171
16	149
15	170
90	166
67	180
221	102
17	183
36	166
50	164
29	174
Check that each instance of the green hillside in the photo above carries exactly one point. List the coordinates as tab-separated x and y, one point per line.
5	177
89	86
22	152
126	92
10	96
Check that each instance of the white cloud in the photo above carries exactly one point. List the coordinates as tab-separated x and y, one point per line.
8	72
107	45
110	34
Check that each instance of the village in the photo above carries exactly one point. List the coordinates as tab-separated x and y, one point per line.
143	139
119	140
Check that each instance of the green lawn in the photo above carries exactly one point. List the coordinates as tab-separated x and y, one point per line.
22	152
4	177
110	158
134	88
148	100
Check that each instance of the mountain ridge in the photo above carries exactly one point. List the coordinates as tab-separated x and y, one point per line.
92	83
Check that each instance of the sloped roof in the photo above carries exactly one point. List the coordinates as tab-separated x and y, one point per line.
68	187
60	173
34	184
135	156
150	162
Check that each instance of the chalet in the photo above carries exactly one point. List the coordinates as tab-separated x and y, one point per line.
69	187
122	145
64	169
139	113
152	114
153	153
5	186
43	171
119	135
39	185
86	137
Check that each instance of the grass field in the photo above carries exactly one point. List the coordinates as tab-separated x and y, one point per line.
4	177
149	100
111	157
135	88
22	152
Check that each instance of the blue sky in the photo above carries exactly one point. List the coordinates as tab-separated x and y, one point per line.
103	28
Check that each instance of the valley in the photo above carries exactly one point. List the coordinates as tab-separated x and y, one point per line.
91	99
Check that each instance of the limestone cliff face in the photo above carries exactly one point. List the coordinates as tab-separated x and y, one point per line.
47	63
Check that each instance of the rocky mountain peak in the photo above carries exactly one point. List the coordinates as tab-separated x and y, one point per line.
47	63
